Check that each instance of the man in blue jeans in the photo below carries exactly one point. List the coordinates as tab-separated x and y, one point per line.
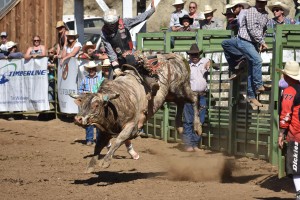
250	42
199	70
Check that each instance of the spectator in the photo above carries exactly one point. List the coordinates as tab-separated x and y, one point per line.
62	29
12	51
231	20
193	14
37	50
199	70
72	47
179	12
118	43
52	63
234	57
289	122
249	43
89	52
3	48
210	22
185	22
280	11
90	84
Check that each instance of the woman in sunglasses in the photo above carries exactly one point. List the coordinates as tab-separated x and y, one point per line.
280	11
37	50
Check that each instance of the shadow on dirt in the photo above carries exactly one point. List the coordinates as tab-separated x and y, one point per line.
274	198
272	182
110	178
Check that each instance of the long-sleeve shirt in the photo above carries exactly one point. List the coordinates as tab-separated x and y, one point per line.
128	24
88	83
290	115
174	21
199	75
253	26
214	24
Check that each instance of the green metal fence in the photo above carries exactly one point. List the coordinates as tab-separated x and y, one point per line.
232	125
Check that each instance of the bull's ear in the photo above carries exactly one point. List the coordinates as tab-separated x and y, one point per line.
78	101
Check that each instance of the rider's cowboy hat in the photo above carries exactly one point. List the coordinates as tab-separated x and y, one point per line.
291	69
72	33
10	44
283	6
191	20
244	3
92	64
178	2
227	10
194	49
208	9
111	16
87	46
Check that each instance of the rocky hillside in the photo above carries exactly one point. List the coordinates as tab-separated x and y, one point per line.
161	17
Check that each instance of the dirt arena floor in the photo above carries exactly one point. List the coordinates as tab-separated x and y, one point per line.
47	159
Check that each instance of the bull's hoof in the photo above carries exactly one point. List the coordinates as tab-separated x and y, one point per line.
89	170
105	164
180	130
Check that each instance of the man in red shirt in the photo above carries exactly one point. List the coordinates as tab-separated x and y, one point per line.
290	121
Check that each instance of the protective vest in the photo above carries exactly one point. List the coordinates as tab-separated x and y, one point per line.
121	41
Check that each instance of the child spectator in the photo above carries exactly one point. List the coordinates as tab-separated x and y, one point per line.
37	50
185	23
52	62
179	12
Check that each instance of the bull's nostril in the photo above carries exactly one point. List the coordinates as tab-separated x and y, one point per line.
78	119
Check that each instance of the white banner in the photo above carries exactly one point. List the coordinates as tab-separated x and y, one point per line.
23	85
69	77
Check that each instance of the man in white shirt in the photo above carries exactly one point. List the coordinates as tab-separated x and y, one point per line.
199	70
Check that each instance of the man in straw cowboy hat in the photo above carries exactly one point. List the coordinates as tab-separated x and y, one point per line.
199	70
12	51
290	121
118	43
89	52
250	42
210	22
280	11
179	12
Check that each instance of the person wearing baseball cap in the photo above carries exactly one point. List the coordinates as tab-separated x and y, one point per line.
4	40
289	123
281	12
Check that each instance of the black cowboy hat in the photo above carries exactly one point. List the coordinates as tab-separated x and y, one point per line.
191	20
228	11
194	49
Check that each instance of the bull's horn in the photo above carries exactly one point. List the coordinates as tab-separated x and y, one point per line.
108	97
74	96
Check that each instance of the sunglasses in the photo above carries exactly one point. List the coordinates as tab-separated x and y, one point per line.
3	36
50	52
192	7
276	10
36	40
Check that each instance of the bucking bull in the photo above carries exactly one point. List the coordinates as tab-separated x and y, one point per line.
122	105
